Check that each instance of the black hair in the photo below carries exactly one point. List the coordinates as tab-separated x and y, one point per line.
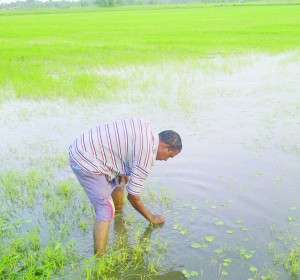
171	138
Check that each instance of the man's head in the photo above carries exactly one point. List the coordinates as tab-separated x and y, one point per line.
169	145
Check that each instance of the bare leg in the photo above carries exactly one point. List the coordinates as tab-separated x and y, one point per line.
118	198
101	229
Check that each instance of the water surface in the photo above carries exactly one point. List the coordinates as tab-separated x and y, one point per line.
237	178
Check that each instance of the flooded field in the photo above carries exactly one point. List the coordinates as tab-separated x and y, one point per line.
231	198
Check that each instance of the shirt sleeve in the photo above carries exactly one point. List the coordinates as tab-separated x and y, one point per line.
137	177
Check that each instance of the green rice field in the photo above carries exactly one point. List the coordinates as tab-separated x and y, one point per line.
58	53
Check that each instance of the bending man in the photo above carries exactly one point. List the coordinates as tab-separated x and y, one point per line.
110	156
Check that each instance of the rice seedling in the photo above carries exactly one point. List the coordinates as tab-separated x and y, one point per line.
127	258
25	256
291	262
161	199
22	189
6	227
269	275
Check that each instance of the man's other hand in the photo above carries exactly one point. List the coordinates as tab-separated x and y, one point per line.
123	180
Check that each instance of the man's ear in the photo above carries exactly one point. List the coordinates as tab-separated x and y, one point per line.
168	147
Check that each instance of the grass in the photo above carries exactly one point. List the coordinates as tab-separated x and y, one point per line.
20	190
290	261
24	257
57	53
127	259
43	247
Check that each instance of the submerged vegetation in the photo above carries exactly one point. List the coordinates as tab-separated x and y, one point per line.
38	217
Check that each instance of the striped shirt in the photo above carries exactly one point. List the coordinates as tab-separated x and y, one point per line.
124	147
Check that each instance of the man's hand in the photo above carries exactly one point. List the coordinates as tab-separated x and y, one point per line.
138	205
123	180
157	219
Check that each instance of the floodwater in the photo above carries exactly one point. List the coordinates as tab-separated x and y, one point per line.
237	179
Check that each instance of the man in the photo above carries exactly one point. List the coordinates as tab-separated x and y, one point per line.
107	157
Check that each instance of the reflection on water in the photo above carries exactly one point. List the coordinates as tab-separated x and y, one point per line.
123	234
237	178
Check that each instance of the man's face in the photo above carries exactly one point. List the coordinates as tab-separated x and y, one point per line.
164	152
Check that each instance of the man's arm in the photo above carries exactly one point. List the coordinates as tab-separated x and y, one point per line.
138	205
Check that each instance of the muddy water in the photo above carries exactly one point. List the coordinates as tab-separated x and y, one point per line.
239	165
